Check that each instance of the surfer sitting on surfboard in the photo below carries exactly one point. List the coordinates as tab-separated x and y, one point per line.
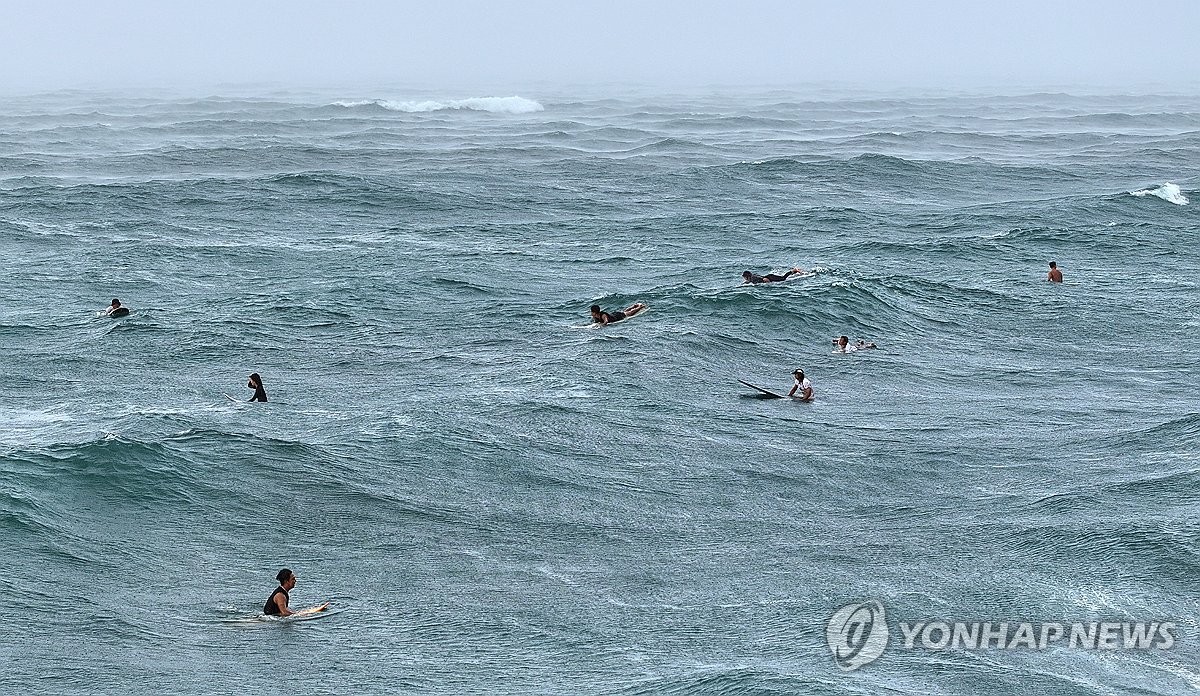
599	316
802	384
277	603
116	310
748	277
255	383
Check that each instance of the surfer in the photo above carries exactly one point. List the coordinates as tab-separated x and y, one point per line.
842	344
277	603
599	316
748	277
1054	276
116	310
256	384
803	385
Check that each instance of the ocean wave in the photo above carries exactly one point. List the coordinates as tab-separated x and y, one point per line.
1168	192
495	105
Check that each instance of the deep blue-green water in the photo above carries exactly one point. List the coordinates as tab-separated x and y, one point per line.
498	500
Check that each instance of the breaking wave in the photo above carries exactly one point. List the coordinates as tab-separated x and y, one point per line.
496	105
1168	192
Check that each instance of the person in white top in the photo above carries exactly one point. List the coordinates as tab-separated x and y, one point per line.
842	345
802	385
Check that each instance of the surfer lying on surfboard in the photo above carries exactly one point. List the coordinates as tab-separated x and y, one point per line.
277	603
748	277
599	316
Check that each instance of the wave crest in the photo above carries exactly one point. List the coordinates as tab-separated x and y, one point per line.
1168	192
495	105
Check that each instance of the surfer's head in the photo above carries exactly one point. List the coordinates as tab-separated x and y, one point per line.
798	374
116	302
843	340
595	310
1053	264
747	275
286	578
255	381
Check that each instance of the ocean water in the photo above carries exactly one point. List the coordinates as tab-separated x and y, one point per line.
498	499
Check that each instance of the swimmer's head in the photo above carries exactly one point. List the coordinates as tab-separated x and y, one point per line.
255	380
747	275
285	576
595	310
798	374
1053	264
843	340
116	302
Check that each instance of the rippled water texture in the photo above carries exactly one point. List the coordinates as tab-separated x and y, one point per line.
499	500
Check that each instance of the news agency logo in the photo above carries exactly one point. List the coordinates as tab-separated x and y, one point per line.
858	635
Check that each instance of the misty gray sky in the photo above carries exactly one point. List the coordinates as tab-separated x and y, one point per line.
502	44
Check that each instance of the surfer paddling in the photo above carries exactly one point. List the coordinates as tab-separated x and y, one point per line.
748	277
256	384
1054	276
802	385
277	603
599	316
842	345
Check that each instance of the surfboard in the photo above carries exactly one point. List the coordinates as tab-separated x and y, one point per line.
231	398
310	612
764	393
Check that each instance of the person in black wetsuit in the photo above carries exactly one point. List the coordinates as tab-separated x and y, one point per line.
116	310
599	316
748	277
277	603
255	383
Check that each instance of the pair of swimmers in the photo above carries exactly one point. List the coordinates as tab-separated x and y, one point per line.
116	310
599	316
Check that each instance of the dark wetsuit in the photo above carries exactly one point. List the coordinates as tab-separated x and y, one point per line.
119	312
260	394
768	278
270	608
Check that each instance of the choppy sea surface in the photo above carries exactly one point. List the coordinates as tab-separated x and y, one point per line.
499	500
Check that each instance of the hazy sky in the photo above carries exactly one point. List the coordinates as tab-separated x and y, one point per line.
503	44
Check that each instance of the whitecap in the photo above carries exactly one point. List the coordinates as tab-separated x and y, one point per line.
1168	192
496	105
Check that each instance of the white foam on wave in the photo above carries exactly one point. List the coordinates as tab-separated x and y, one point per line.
1168	192
495	105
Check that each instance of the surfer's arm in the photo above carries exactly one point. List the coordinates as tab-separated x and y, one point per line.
281	604
794	388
